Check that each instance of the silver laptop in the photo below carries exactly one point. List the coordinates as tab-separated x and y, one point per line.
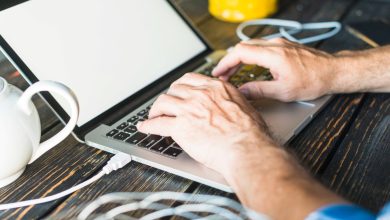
118	56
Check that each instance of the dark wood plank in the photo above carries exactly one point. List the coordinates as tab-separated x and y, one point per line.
360	167
316	152
196	11
359	170
65	165
133	178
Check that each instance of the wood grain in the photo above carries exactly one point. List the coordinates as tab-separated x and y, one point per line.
63	166
321	147
360	168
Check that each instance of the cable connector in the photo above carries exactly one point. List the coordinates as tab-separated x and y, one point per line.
116	162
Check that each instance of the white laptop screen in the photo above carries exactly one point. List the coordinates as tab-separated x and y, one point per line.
103	50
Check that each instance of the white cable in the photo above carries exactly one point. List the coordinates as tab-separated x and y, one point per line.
131	201
116	162
293	26
288	28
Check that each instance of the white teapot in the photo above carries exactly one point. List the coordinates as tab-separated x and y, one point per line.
20	128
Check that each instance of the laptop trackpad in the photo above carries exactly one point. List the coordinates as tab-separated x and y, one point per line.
285	119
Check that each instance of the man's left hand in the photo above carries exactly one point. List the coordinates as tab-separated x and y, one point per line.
209	119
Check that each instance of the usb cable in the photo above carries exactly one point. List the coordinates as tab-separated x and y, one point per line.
116	162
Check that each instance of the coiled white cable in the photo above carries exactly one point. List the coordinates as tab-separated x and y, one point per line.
218	207
288	28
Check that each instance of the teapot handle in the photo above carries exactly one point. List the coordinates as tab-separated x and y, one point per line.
69	96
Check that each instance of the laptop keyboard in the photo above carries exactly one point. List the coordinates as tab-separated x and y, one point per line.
127	131
245	73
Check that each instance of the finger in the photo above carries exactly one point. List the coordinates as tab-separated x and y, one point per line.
163	126
193	79
247	54
166	105
260	89
181	91
229	73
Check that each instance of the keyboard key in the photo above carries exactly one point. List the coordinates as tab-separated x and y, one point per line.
112	133
133	119
162	145
136	138
142	113
131	129
121	136
123	126
173	152
176	145
146	117
135	123
149	141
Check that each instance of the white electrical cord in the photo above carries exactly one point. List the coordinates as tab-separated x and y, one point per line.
116	162
288	28
217	207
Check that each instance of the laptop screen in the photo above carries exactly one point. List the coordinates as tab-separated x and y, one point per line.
104	50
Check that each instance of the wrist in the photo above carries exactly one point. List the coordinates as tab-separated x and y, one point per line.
342	80
263	160
360	71
263	176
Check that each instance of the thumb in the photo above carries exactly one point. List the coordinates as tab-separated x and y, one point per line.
163	126
260	89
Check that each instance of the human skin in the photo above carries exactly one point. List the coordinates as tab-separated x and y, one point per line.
214	123
303	73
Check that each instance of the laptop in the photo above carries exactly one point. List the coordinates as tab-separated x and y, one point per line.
118	56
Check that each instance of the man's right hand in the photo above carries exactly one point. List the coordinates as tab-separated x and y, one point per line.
299	72
304	73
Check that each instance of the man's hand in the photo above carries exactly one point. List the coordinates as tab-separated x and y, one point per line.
299	72
209	119
303	73
215	125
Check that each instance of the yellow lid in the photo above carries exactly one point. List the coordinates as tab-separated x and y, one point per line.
241	10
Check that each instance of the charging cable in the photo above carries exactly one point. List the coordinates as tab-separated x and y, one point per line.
116	162
288	28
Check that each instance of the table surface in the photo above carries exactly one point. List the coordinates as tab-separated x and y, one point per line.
346	147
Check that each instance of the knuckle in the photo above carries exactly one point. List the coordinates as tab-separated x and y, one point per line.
189	75
279	40
219	84
258	92
288	95
161	99
174	86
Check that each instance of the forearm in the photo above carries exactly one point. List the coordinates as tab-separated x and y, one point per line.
363	71
270	181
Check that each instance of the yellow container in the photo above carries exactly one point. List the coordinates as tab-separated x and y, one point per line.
242	10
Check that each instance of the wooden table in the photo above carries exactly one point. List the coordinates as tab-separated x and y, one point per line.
347	146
